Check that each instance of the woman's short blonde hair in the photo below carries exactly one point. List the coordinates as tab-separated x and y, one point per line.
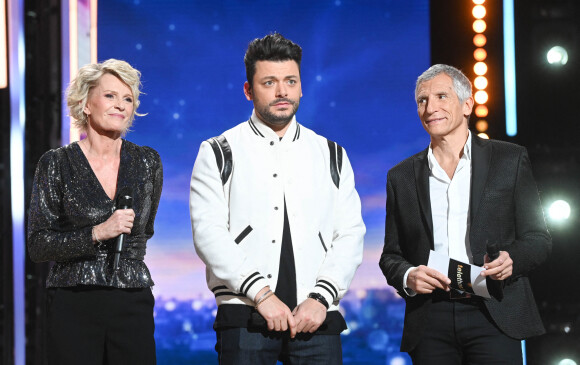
88	77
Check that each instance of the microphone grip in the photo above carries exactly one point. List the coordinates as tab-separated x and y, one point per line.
494	287
126	204
492	251
118	249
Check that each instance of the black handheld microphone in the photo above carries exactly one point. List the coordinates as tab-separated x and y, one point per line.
492	251
124	201
494	287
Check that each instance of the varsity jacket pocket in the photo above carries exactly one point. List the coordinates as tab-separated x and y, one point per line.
322	242
244	233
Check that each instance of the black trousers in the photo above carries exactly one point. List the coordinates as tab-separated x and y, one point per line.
462	332
99	325
240	346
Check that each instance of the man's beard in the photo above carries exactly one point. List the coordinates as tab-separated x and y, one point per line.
279	120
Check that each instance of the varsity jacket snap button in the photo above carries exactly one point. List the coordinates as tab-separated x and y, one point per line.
269	276
271	143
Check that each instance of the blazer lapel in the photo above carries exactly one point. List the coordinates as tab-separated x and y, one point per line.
480	162
421	167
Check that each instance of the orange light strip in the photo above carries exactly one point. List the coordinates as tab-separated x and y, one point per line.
480	68
3	47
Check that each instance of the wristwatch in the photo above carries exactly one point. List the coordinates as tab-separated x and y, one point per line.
319	298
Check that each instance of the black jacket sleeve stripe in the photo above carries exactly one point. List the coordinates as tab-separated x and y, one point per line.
335	161
223	156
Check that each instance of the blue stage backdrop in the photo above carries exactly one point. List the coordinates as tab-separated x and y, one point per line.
360	62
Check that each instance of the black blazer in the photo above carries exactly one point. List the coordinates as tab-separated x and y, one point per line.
504	208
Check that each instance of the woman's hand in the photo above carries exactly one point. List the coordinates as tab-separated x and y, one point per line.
121	221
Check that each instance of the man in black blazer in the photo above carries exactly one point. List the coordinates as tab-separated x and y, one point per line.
454	197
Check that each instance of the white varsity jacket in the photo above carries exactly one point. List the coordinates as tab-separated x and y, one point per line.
238	186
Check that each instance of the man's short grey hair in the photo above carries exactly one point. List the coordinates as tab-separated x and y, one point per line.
461	84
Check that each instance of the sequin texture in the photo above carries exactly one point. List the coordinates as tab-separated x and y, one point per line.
68	200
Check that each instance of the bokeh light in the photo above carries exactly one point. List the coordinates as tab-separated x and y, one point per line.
557	56
567	362
479	40
478	11
480	68
481	97
479	26
481	125
481	111
480	54
480	82
559	210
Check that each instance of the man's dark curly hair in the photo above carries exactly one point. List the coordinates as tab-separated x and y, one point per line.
273	47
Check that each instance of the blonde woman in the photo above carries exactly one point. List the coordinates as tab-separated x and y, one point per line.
85	196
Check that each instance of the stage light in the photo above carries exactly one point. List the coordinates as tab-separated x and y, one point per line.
567	362
483	135
509	66
557	56
479	40
481	125
481	97
479	26
481	111
3	47
170	306
397	360
480	82
480	68
559	210
480	54
478	11
82	49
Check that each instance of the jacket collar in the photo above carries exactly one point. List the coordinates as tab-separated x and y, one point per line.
479	151
260	129
421	167
481	159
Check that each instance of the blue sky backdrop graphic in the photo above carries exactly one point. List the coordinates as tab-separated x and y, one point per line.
360	62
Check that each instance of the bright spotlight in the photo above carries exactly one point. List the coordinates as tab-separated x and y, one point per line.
481	97
480	68
480	82
397	360
483	135
559	210
480	54
479	26
478	11
481	111
479	40
567	362
557	56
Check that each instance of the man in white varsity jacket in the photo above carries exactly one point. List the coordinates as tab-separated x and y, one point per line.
277	221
